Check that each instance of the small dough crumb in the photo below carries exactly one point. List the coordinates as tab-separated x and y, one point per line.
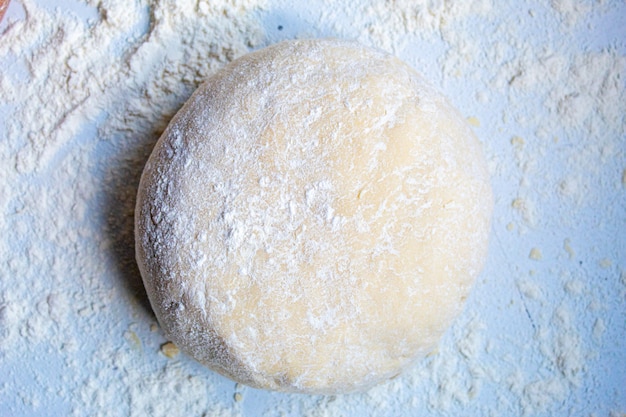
170	350
535	254
517	142
473	121
526	209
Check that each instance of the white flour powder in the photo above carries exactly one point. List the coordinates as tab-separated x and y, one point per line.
86	90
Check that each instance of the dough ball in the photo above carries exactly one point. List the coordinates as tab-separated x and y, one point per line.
312	219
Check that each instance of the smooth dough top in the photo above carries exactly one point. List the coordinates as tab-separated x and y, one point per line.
312	219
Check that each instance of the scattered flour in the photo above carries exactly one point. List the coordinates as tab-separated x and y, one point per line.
529	289
86	93
167	391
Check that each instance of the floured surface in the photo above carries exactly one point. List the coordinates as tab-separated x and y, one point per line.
313	218
87	88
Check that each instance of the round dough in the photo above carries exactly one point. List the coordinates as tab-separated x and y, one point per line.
312	219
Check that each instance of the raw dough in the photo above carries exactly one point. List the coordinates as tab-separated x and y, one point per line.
312	219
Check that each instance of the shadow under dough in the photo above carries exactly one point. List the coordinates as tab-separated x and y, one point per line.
121	185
